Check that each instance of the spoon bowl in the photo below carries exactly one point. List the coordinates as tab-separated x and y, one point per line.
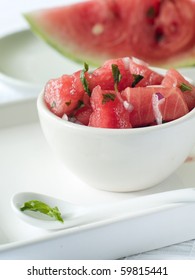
78	215
72	213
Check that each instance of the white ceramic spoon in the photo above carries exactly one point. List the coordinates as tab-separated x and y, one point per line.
77	215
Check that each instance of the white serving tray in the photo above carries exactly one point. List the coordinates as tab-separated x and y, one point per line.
27	164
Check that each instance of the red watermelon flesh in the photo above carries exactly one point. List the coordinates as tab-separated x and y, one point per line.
150	77
159	32
129	69
103	76
135	106
108	110
82	115
58	96
62	95
154	105
174	79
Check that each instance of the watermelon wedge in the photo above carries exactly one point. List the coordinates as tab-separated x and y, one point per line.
162	33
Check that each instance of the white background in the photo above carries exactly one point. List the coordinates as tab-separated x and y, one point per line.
11	12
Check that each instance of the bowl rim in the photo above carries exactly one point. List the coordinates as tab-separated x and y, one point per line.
43	109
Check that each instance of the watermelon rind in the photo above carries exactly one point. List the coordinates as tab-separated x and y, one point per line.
66	52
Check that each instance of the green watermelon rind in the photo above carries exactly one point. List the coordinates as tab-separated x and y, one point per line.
36	29
66	52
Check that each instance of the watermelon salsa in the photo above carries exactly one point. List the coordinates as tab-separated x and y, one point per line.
122	93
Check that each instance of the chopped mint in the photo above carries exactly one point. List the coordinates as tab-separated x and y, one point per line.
185	87
39	206
116	75
84	80
80	104
53	105
137	79
108	97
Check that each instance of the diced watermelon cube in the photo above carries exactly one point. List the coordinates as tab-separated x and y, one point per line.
108	110
175	105
171	104
150	77
103	76
174	79
63	94
83	114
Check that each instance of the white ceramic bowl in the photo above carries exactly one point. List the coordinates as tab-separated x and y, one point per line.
119	159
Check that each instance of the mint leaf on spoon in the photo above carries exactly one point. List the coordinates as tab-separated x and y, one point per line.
39	206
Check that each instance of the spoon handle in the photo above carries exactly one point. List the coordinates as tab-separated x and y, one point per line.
145	203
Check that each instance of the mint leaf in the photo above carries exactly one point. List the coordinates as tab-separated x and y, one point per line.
84	80
80	104
116	75
53	105
108	97
39	206
185	87
137	79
